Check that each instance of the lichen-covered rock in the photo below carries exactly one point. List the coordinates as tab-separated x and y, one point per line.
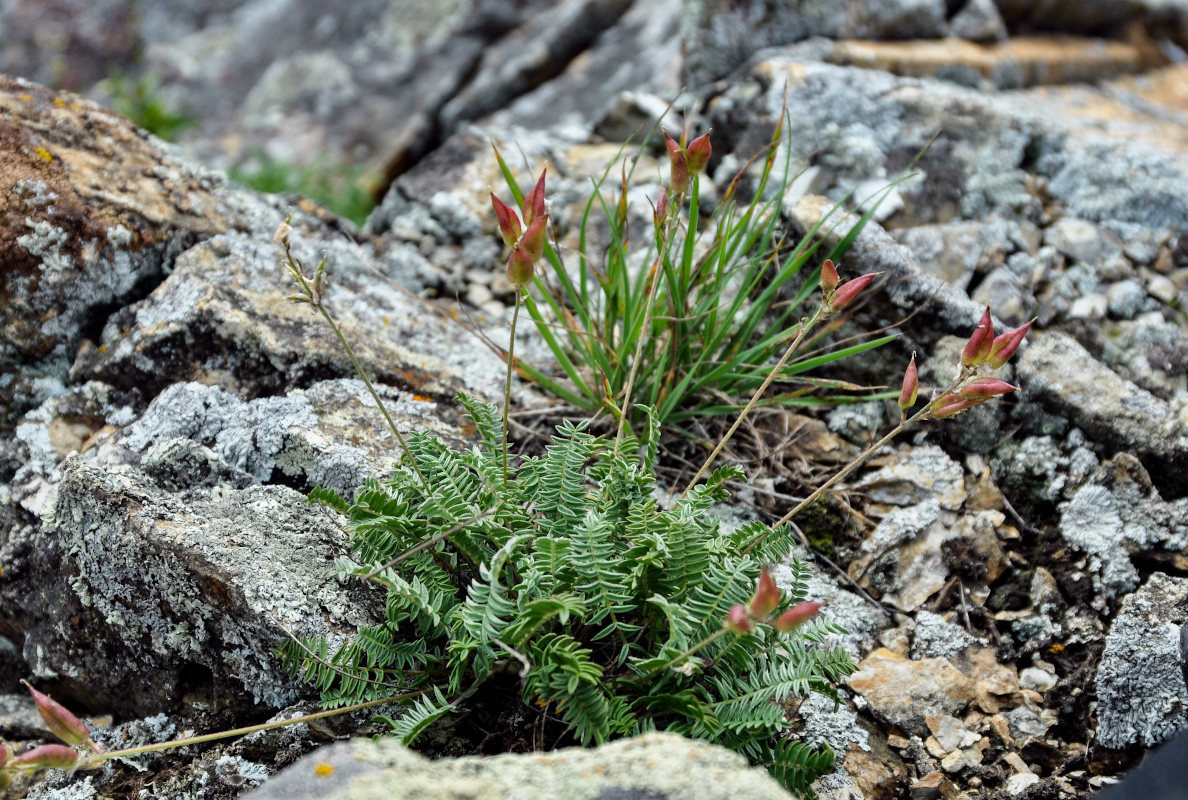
1066	380
1119	512
657	766
92	212
221	317
128	597
1141	694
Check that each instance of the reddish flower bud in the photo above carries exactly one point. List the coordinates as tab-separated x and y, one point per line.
697	154
47	756
984	388
519	268
911	386
534	201
5	754
767	595
796	616
61	723
849	290
978	347
738	621
949	404
1005	345
829	279
678	166
533	240
660	212
509	223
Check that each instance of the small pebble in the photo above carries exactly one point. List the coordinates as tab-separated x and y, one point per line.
1161	288
1091	306
1017	784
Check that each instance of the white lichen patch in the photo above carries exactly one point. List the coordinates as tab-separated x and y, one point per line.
45	243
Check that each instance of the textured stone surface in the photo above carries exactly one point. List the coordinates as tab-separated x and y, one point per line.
656	766
1141	693
83	228
123	581
905	692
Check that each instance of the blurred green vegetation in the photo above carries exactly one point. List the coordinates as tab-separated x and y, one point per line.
142	100
347	190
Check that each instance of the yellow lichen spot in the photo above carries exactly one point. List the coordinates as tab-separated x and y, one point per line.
1056	648
384	320
540	703
44	155
24	97
324	770
102	348
59	102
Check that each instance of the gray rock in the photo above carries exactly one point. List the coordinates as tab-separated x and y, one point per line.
1141	693
127	595
936	638
979	21
656	766
721	35
1064	379
1119	512
85	228
1082	241
1126	299
1150	351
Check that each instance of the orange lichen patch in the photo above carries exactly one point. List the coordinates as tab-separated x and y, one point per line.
324	770
25	97
420	398
1056	648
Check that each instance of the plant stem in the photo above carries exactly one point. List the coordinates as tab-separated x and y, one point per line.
511	360
662	244
805	327
853	465
706	642
374	395
212	737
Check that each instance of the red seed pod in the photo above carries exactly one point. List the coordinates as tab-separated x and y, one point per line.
911	386
533	240
829	279
738	621
697	154
5	754
519	268
61	723
948	405
977	349
1005	345
47	756
509	223
534	201
796	616
849	290
660	212
767	595
983	389
678	166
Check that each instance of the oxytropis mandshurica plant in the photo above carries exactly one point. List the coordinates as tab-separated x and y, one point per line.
613	607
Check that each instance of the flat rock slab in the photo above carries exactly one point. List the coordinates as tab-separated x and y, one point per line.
655	766
907	692
129	597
